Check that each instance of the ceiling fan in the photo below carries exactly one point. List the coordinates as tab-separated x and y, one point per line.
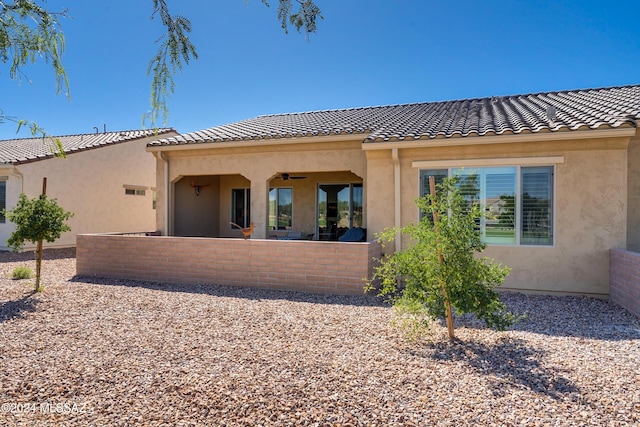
285	176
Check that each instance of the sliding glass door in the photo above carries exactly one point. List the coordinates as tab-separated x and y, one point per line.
339	208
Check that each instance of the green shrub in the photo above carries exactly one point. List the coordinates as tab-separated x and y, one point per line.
412	319
440	270
22	272
37	220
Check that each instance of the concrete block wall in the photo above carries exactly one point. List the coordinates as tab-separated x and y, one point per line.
310	266
624	282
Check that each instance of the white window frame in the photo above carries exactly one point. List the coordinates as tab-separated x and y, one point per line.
518	163
135	190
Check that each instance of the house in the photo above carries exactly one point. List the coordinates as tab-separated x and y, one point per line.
565	164
107	180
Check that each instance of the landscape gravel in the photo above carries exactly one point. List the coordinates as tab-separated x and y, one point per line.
106	352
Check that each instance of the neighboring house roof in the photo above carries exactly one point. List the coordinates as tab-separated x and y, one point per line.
502	115
25	150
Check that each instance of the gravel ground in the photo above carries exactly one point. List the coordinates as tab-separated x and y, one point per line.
123	353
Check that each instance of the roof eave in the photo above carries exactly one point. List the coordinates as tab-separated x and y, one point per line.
257	143
626	131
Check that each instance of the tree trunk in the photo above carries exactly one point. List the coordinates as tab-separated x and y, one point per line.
443	285
38	265
39	246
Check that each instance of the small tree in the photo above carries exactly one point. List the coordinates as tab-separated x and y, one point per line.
37	220
439	269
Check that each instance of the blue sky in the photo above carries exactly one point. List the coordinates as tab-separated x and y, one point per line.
365	53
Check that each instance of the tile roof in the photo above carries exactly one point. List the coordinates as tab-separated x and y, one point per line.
503	115
25	150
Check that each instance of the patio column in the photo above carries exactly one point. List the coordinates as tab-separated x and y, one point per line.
259	201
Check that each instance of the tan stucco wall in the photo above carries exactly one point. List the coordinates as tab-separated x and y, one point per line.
380	193
259	165
194	213
91	185
590	220
633	179
590	211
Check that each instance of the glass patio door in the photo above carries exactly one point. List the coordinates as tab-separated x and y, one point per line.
339	208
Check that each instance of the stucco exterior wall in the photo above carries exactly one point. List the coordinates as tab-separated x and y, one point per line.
594	196
590	220
194	213
633	192
380	193
590	212
91	184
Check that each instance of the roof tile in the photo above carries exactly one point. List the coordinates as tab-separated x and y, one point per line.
24	150
574	110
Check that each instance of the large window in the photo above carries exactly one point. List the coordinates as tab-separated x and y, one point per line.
537	206
241	206
280	209
518	201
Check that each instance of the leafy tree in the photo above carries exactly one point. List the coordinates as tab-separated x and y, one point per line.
440	270
37	220
29	31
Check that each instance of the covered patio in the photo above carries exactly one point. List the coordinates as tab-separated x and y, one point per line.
312	189
300	205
